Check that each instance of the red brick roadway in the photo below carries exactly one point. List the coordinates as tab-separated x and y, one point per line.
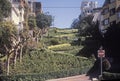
73	78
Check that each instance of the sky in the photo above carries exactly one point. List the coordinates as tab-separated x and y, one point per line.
63	11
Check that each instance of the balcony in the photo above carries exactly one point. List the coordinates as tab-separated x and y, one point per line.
113	18
105	10
112	1
106	16
118	14
112	5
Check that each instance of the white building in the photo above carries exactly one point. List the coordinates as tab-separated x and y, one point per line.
87	7
17	13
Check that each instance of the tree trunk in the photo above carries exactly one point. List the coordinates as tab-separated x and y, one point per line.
41	34
15	57
37	39
8	64
21	50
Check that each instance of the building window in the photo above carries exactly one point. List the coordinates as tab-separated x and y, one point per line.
88	11
113	23
91	11
119	14
20	14
16	0
106	22
85	4
83	12
111	1
105	11
112	11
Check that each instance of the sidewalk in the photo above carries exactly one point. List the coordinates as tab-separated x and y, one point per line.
73	78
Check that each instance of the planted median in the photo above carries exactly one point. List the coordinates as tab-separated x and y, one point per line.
60	47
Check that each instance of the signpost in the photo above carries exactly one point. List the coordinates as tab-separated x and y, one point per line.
101	54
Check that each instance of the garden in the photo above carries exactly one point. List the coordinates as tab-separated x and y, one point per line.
55	60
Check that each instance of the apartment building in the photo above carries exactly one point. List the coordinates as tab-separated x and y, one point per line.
96	14
35	7
17	13
87	7
110	14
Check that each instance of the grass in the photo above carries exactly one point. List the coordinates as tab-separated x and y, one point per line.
42	62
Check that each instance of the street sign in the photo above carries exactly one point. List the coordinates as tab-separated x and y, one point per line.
101	53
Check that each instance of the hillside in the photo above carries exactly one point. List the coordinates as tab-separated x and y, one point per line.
56	59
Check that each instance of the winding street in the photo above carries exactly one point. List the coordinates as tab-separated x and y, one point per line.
73	78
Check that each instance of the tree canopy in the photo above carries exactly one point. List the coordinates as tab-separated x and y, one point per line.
84	25
75	24
5	8
7	31
31	21
43	20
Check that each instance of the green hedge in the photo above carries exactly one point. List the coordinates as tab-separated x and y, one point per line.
47	65
67	30
111	76
44	76
60	47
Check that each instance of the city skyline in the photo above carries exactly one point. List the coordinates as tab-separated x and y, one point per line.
63	11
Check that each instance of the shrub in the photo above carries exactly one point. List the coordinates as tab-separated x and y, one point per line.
44	76
42	65
54	42
111	76
68	30
65	35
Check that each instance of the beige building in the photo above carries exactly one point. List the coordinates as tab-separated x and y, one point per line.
17	13
110	14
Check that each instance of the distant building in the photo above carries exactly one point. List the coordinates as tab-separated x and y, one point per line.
35	7
110	14
87	7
